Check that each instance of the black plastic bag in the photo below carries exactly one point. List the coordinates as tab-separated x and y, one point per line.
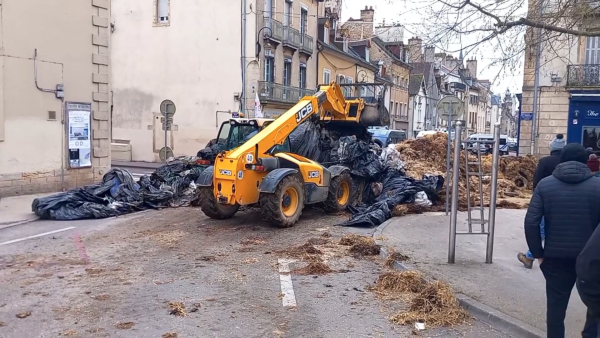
359	157
397	189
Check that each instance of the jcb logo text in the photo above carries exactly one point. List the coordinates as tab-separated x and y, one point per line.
304	112
313	174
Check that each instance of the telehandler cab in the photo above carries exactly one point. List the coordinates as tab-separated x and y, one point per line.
263	171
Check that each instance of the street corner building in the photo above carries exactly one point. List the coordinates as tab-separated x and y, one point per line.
567	88
54	94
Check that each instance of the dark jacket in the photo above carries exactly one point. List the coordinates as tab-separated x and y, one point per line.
546	167
588	274
569	201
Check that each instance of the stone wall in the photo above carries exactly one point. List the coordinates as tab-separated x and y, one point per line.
43	181
552	119
98	74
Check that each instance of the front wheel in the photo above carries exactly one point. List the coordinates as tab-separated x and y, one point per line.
340	192
213	209
283	207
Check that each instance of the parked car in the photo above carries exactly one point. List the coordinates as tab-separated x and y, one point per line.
383	136
486	148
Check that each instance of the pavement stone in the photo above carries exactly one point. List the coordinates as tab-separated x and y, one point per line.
17	210
504	285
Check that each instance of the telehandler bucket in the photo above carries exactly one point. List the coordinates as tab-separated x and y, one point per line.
375	115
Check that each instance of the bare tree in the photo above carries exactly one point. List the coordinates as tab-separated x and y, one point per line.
499	29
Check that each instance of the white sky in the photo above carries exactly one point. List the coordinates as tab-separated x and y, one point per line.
392	11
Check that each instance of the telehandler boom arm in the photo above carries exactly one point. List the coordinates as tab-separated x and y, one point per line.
330	98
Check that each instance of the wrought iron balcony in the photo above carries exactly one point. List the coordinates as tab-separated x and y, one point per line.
583	76
307	44
275	92
276	30
402	118
291	37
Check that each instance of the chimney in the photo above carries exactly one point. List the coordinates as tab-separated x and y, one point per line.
367	14
472	67
429	54
414	50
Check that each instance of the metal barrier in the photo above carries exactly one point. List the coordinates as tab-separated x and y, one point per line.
475	147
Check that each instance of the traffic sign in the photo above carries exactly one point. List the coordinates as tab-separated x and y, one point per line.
450	104
167	107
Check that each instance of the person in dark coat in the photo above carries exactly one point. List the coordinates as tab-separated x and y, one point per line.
547	164
588	274
568	201
545	167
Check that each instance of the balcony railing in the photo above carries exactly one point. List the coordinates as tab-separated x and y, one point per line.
403	118
270	91
307	44
583	76
291	37
276	31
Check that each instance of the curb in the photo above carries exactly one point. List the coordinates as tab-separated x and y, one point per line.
12	224
480	311
144	165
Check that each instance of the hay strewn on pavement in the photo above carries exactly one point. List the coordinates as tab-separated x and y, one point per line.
431	302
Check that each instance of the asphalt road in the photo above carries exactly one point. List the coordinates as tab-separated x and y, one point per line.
115	278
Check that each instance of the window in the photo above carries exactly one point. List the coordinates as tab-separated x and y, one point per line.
326	35
592	50
303	22
405	110
287	72
348	89
287	13
270	69
396	110
367	56
302	76
401	106
162	11
326	76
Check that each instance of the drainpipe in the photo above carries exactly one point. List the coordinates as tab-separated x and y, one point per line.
243	60
536	84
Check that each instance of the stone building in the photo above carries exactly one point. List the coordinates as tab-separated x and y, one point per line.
54	94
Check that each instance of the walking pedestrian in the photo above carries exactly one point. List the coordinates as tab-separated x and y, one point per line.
588	275
568	201
545	167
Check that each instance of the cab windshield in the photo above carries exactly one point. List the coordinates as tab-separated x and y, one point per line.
233	136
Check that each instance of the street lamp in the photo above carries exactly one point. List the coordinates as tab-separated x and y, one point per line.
267	44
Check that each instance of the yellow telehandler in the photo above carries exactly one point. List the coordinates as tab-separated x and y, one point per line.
263	171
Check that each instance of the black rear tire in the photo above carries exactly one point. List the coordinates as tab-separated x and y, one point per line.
340	193
213	209
273	206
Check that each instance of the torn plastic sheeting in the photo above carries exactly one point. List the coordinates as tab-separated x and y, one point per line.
172	185
309	141
397	189
359	157
391	157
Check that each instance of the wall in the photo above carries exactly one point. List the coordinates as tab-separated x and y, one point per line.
193	61
336	65
553	97
72	42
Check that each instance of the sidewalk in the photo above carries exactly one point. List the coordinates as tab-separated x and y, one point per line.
17	209
504	285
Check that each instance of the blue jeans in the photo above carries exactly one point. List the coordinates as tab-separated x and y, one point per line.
542	232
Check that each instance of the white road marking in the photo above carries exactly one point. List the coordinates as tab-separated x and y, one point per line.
35	236
287	288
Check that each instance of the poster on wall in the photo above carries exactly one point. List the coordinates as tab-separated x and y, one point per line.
78	133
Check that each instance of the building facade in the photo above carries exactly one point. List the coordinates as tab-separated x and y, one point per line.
158	55
568	92
397	70
54	95
284	68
